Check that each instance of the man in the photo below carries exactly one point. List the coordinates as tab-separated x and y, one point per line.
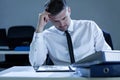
87	37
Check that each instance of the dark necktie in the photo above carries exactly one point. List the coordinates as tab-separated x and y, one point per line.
70	47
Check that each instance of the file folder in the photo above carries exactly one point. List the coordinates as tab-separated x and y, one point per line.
100	57
105	70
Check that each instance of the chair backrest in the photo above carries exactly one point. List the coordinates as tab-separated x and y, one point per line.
20	36
3	37
108	39
49	61
2	33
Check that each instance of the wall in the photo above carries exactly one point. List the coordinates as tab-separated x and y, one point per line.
105	13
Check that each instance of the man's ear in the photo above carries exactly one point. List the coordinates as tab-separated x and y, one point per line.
69	10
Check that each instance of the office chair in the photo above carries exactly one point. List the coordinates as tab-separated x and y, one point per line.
3	45
108	39
3	37
49	61
19	36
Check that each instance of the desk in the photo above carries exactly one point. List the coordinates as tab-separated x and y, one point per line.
2	56
28	73
3	52
13	52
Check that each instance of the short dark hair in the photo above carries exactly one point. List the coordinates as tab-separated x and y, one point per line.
55	6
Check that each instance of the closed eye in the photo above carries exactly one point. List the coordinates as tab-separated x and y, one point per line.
64	18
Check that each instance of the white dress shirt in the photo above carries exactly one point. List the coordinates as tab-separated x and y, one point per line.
87	38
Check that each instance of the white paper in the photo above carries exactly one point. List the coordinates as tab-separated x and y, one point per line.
53	68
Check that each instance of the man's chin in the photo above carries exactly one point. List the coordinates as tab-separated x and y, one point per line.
63	29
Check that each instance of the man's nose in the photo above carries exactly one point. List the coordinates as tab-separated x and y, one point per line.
61	23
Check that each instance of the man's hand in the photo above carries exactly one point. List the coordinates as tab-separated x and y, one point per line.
42	21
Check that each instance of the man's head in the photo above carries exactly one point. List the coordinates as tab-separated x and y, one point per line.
59	13
55	6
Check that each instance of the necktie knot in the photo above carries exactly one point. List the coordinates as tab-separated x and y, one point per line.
66	32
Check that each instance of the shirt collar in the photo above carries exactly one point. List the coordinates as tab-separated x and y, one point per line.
70	28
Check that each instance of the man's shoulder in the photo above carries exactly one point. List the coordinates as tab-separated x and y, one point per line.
49	30
84	24
83	21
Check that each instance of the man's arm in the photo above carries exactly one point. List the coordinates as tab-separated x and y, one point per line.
38	49
100	43
42	21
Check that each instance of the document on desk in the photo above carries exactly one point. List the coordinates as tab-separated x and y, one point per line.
100	57
55	68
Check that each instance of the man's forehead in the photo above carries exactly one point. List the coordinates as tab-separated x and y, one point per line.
60	15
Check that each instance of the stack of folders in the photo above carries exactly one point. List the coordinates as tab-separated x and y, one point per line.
101	56
103	63
109	69
99	64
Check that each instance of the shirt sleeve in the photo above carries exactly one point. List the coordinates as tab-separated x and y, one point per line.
38	50
100	43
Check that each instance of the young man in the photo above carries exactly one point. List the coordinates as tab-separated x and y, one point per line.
87	37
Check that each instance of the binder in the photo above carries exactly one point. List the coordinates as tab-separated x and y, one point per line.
100	57
102	63
110	69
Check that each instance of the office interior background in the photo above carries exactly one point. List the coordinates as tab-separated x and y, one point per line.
105	13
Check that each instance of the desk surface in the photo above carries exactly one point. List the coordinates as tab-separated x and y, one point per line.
10	52
13	52
28	73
